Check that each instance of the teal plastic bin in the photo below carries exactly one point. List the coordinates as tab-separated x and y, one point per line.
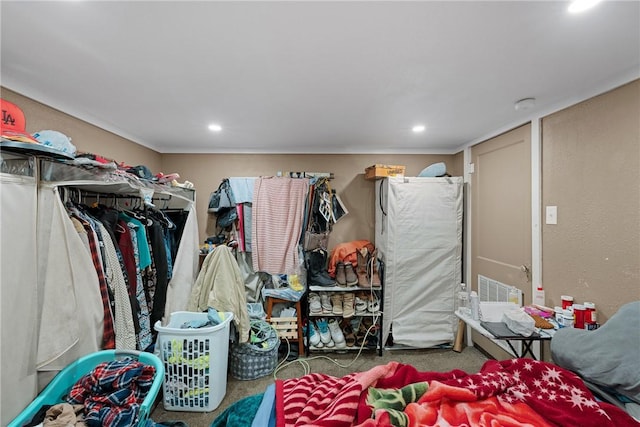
61	384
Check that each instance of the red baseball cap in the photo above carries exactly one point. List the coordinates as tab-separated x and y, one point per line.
13	123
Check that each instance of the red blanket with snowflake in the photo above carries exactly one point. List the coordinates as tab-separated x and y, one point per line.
504	393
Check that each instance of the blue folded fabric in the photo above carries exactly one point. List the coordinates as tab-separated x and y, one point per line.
436	169
213	318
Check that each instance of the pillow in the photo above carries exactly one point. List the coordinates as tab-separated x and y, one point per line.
609	356
436	169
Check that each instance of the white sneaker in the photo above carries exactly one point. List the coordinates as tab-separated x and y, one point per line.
360	306
314	304
336	334
314	336
330	344
323	328
325	302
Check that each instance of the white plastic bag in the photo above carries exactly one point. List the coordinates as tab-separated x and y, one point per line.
519	322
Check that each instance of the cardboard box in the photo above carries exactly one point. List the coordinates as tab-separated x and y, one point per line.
383	171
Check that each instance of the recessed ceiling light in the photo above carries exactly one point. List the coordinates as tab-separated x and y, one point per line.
418	128
215	127
578	6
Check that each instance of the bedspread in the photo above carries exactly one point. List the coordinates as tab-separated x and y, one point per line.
512	392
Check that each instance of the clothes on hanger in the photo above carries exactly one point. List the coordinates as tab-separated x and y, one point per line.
131	250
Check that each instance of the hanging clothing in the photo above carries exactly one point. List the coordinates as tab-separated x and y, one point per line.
109	219
220	285
185	263
123	317
278	211
144	254
242	189
156	238
144	335
179	220
125	245
108	334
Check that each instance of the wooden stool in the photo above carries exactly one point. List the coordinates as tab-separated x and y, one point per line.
287	327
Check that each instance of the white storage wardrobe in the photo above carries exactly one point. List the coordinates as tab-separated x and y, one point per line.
419	238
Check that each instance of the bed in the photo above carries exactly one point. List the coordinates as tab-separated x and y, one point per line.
513	392
607	359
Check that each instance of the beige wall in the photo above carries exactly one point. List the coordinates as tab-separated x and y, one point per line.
86	137
206	171
591	171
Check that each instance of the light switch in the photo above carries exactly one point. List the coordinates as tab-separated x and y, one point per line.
552	215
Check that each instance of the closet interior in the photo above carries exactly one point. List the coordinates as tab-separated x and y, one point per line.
96	280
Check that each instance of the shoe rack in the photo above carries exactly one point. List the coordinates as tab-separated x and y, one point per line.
364	318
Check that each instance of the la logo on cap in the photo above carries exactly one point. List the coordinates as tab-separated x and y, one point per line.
7	118
13	124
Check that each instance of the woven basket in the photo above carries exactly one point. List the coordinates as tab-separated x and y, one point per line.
249	361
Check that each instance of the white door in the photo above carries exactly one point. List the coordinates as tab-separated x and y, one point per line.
501	211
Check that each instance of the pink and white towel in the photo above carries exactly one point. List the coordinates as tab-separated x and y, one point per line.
278	214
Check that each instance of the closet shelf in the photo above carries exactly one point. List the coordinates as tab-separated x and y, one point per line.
104	180
315	288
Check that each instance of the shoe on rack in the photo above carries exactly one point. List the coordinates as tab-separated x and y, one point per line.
313	335
317	346
316	262
373	306
356	328
361	268
325	302
336	301
347	305
330	344
372	341
315	306
360	304
349	336
336	334
323	329
374	277
341	274
350	274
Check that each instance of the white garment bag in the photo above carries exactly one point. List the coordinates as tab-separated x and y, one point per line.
18	294
419	235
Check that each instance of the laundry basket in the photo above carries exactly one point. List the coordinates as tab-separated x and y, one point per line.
258	358
62	383
195	362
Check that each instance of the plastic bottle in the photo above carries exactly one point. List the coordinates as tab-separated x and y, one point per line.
474	302
590	317
558	314
567	318
514	295
463	300
579	312
538	296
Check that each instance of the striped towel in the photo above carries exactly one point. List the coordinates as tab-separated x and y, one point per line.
278	212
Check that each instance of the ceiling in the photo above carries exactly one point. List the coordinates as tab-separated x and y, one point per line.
313	76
